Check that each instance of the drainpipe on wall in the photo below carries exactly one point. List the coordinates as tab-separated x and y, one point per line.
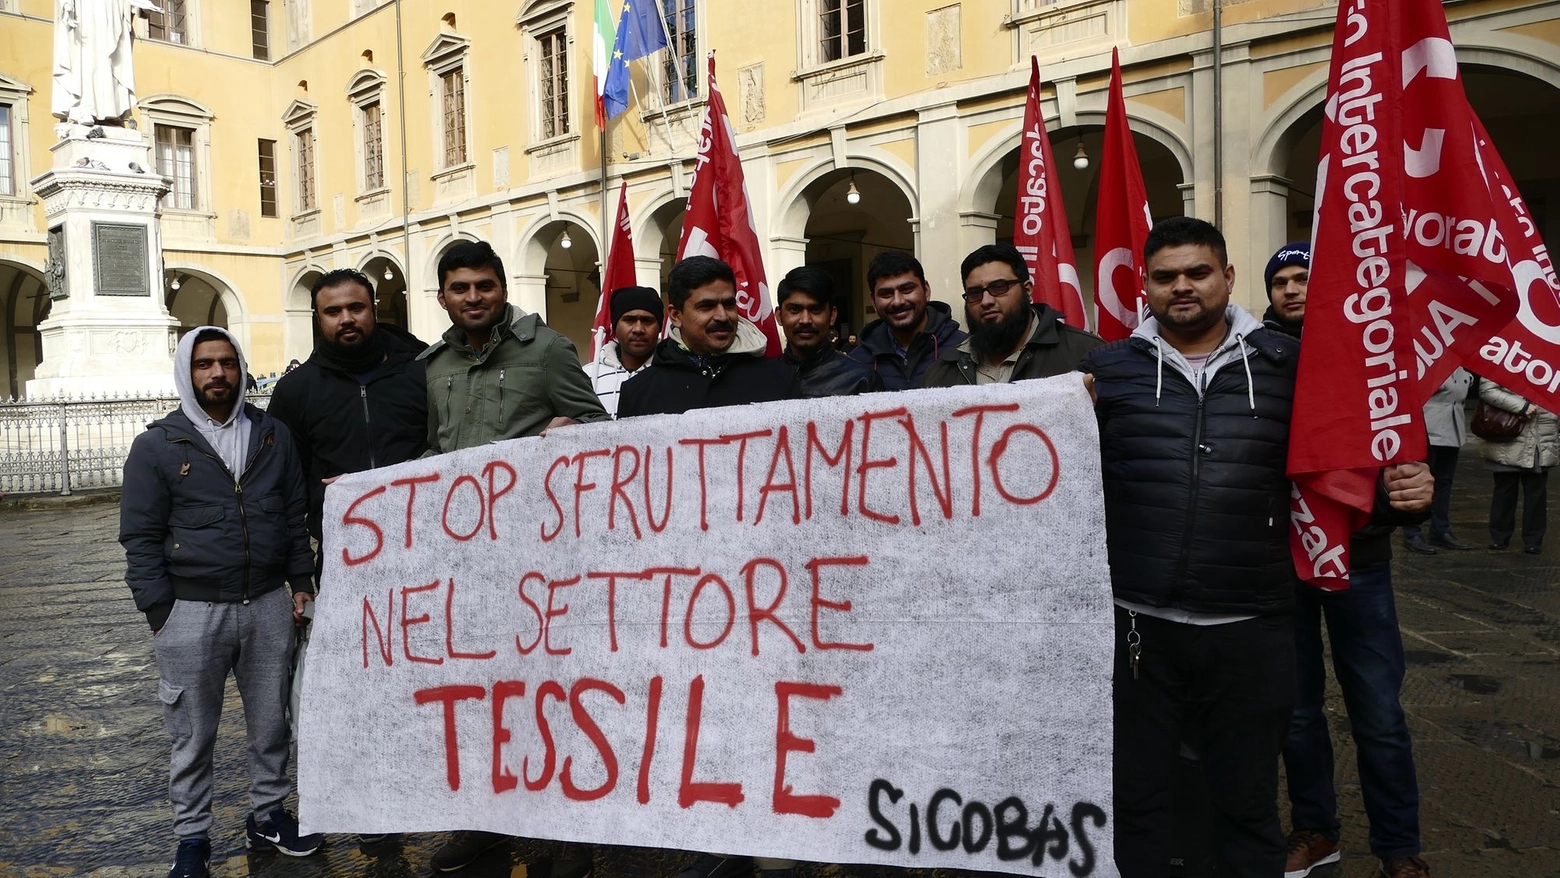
1218	115
406	207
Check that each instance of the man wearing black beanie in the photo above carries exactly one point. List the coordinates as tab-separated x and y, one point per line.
637	314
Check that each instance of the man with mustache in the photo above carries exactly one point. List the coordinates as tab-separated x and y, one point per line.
1011	338
713	356
806	312
214	525
1194	412
497	373
361	400
637	314
911	330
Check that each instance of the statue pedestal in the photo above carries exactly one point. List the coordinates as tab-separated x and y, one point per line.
108	330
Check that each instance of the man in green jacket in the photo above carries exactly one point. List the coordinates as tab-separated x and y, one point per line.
497	373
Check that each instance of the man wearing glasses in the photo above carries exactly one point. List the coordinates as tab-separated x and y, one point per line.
1011	338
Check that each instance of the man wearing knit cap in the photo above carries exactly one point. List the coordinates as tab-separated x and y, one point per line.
637	315
1287	274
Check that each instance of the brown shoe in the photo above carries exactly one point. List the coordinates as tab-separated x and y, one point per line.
1307	850
1405	867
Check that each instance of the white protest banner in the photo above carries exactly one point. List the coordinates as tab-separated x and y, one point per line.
872	629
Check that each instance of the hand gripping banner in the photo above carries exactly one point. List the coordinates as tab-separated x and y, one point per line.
871	629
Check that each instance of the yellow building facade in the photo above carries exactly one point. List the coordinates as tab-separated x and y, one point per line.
306	135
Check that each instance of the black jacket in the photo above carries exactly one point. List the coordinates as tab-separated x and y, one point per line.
678	381
831	373
876	349
1055	349
1196	496
344	423
191	533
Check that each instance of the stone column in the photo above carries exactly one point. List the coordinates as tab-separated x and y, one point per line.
939	155
108	330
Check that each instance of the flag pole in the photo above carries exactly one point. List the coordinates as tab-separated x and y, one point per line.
660	99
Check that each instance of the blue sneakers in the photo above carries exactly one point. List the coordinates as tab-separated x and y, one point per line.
278	831
192	859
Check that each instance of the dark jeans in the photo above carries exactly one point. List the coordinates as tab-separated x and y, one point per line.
1443	466
1535	512
1227	691
1367	651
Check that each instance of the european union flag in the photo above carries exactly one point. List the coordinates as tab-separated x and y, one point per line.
639	32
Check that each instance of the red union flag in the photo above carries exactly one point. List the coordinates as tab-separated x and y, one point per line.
1121	222
1420	261
1040	230
618	272
719	223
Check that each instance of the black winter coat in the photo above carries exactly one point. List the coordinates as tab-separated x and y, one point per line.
1055	349
831	373
1196	496
942	333
345	423
678	382
191	533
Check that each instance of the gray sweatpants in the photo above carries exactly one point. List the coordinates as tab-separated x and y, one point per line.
196	649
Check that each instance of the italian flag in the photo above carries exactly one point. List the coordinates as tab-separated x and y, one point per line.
601	41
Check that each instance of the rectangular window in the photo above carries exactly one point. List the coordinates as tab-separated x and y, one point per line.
842	29
170	25
260	29
454	88
304	141
555	83
176	159
268	178
681	67
373	148
7	165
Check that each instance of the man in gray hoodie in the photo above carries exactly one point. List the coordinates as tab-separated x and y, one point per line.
214	525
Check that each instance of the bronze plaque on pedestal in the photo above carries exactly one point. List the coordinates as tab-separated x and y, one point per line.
54	271
119	259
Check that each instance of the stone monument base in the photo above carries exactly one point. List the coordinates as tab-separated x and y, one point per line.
104	352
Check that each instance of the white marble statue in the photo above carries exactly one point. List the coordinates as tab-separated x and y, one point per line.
93	79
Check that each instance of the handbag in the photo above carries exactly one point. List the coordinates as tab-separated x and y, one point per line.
1495	425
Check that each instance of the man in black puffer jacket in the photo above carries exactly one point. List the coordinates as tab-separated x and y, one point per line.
713	356
911	331
806	312
361	399
1194	414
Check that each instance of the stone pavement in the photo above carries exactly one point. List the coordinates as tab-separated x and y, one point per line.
83	754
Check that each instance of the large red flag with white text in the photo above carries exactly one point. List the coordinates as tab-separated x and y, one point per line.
1420	260
719	222
1121	222
617	271
1040	230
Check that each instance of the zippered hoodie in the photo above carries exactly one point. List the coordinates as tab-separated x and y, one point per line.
195	527
1196	496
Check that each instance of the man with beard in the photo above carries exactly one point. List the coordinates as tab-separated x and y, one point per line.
1287	276
911	330
214	525
713	356
361	399
806	311
1194	412
636	327
1011	338
497	373
359	402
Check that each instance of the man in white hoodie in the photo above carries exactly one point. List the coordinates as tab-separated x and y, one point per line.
214	525
637	315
